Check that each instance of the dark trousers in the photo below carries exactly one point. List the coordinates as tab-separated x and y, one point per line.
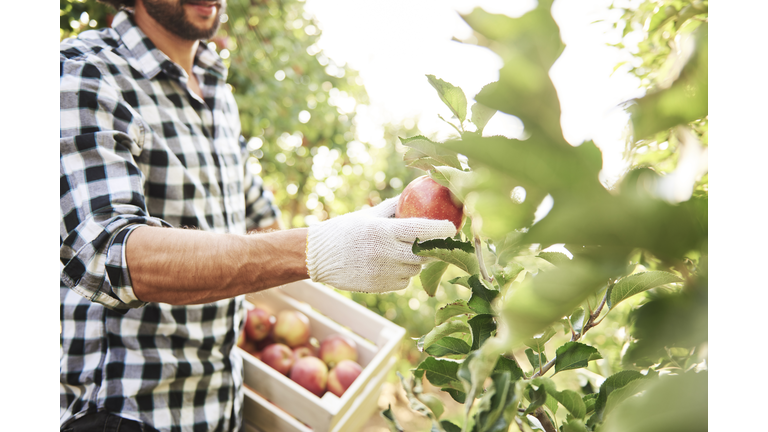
103	421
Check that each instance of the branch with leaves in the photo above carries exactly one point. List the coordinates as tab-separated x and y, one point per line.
519	292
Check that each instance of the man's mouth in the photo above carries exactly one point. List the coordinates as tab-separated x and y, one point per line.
204	8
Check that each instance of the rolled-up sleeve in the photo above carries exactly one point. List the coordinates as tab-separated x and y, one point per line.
101	186
260	208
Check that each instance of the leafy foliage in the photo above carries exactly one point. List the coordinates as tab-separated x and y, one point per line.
636	257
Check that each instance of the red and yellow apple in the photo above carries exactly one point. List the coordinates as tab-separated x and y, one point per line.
425	198
310	373
337	347
291	328
342	376
303	351
279	357
258	323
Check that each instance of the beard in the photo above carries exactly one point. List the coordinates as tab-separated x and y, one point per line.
173	18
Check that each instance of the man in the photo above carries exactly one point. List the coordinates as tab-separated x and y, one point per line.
150	144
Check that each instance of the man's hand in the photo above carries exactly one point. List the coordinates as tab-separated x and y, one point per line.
369	250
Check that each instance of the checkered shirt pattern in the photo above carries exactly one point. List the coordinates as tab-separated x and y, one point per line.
138	148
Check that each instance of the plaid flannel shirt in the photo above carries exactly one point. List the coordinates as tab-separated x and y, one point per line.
138	148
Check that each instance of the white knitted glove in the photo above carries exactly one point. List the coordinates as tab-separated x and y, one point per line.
369	250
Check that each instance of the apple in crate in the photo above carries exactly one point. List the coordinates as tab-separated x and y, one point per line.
426	198
303	351
258	323
291	328
279	357
310	373
342	376
337	347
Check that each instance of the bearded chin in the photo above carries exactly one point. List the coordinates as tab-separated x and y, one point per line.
173	18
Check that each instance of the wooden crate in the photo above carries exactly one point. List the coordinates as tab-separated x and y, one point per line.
273	402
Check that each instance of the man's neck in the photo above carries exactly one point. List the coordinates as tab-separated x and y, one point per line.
180	51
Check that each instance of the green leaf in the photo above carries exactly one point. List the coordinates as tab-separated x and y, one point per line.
574	355
441	372
684	101
480	115
630	219
450	95
431	275
670	320
556	258
483	327
618	395
574	425
637	283
460	254
611	384
529	46
425	404
448	426
508	273
457	395
447	328
508	365
551	403
425	154
577	319
589	401
498	406
461	280
482	296
674	403
390	420
433	403
473	372
458	307
537	343
568	398
459	182
448	346
533	359
542	301
538	397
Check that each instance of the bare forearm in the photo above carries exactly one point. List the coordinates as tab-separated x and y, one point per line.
180	266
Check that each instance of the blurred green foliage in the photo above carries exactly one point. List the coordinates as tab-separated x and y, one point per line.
637	278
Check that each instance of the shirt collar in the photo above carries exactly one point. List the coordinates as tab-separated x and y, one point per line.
151	60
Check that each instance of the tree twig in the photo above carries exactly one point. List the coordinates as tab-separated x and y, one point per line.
480	260
576	336
542	417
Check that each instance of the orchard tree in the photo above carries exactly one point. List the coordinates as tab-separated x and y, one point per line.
521	349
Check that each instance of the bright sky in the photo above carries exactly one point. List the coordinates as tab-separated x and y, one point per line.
395	43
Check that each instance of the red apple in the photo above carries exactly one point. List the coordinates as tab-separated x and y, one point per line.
425	198
279	357
342	376
291	328
258	323
337	347
310	373
303	351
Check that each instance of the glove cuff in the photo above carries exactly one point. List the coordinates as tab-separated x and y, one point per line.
319	255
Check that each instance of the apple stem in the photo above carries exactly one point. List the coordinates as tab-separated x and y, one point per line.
480	261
